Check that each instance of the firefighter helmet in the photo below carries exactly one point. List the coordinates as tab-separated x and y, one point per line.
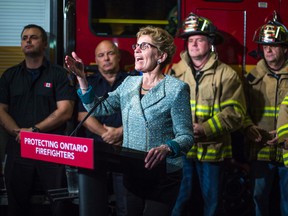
195	25
272	32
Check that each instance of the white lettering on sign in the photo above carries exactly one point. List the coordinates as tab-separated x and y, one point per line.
73	147
55	153
40	142
55	149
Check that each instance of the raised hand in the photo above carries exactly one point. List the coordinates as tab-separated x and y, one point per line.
75	65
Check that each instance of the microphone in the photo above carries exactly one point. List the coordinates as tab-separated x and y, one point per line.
101	99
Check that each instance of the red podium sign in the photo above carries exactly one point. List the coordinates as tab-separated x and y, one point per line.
73	151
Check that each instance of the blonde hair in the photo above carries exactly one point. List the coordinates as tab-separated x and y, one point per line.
160	38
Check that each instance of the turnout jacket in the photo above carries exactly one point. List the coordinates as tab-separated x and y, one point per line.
265	91
217	103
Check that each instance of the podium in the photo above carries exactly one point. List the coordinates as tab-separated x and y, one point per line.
88	155
78	151
123	158
116	154
128	161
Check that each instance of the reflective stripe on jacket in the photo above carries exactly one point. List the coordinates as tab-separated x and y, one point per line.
282	127
282	123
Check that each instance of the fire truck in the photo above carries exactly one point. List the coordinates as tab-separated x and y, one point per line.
87	22
79	25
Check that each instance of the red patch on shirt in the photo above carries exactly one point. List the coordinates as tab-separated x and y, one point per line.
48	85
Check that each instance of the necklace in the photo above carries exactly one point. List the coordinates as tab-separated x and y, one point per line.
144	89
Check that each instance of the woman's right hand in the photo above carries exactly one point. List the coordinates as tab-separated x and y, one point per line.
156	155
75	65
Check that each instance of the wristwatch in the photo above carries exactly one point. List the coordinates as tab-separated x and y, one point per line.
35	129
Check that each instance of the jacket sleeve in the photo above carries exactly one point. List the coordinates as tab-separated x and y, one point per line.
232	106
105	106
248	91
282	121
182	122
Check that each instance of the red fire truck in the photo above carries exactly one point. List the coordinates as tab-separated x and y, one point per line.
89	21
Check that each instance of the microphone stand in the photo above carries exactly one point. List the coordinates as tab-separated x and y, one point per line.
104	97
84	205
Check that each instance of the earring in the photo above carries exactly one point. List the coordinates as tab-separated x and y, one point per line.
158	61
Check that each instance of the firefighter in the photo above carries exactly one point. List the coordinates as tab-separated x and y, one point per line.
218	108
267	85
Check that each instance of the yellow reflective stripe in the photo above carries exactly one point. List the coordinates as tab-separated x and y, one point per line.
213	154
268	153
206	111
210	154
203	110
192	103
199	153
192	153
215	125
285	101
285	158
281	131
263	156
270	111
247	121
279	155
238	106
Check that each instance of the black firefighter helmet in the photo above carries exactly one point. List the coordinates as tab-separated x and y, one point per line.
197	25
273	32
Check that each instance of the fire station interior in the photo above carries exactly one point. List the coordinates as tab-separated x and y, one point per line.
236	197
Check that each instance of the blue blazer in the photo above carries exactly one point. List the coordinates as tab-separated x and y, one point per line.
161	116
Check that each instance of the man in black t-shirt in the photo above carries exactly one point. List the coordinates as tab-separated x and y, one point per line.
36	96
